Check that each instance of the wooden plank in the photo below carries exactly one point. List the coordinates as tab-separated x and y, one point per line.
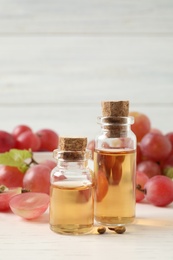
95	17
84	70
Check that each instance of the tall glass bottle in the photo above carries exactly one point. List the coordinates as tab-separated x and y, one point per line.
72	188
115	166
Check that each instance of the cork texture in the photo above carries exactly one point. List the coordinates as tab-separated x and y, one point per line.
115	108
72	143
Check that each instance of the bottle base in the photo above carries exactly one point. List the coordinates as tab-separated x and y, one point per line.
114	221
72	229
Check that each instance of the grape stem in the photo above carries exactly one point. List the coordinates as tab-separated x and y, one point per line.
3	188
29	164
24	190
138	187
33	161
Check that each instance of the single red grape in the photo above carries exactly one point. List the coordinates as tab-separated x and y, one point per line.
155	146
170	137
167	166
29	205
37	178
49	139
28	140
5	197
141	180
19	129
7	141
101	185
150	168
10	176
50	163
117	172
156	131
141	126
167	162
139	156
159	191
109	161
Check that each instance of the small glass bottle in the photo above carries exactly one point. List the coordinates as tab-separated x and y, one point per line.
72	188
115	166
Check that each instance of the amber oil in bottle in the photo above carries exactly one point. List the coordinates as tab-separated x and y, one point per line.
115	166
72	189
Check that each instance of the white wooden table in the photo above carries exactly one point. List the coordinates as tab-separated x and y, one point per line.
150	237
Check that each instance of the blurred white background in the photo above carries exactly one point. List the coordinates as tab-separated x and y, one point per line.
60	59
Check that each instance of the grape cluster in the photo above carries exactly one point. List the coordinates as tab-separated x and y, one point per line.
23	137
19	171
154	162
35	178
153	176
26	193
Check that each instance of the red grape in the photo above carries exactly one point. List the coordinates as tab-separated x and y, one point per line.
37	179
159	190
19	129
28	140
141	180
101	185
50	163
29	205
155	146
141	126
167	166
170	137
139	156
109	161
7	141
10	176
117	172
5	197
167	163
49	139
150	168
156	131
84	195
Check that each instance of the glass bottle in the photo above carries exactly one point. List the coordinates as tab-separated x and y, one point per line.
72	188
115	166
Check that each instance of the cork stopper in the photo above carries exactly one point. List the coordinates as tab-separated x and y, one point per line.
72	143
115	108
115	115
71	148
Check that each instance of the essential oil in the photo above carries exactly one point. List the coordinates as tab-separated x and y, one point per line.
117	205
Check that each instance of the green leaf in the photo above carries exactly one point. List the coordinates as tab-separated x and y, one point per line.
168	172
16	158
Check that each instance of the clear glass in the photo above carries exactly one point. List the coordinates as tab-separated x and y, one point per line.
72	194
115	170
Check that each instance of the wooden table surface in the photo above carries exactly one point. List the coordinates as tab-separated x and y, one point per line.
149	237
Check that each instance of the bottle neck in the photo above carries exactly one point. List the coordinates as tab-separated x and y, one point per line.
72	159
114	127
115	134
116	131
